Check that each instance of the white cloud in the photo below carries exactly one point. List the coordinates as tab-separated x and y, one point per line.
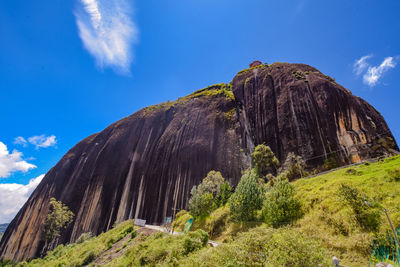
12	162
372	76
13	197
361	64
42	141
20	141
108	32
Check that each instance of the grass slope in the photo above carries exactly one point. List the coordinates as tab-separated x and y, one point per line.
333	222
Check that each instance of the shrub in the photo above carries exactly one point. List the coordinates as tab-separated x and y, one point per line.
180	220
281	207
211	193
247	199
195	240
201	204
58	218
226	192
263	247
217	221
366	211
264	160
294	166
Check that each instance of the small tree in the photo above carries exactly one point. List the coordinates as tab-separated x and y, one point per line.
58	218
281	207
264	160
211	193
212	183
247	198
201	204
294	166
226	192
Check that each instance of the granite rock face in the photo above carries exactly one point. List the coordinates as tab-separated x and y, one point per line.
296	108
145	165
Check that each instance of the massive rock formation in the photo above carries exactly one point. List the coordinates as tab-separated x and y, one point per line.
144	166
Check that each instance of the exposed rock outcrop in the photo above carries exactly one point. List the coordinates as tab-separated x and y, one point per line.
144	166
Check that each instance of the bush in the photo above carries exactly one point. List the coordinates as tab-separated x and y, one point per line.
201	204
195	240
58	218
217	221
367	212
264	160
211	193
247	199
281	207
263	247
294	166
180	220
226	192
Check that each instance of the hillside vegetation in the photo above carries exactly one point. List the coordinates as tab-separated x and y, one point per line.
331	225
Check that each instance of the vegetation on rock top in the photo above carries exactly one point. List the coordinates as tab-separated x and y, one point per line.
220	89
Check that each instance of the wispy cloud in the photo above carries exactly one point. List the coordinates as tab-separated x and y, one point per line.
20	141
42	141
12	162
372	74
13	197
361	64
108	32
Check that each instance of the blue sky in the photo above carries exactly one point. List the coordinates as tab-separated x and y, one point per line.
70	68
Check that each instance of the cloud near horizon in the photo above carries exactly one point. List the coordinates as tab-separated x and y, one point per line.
12	162
14	196
108	32
372	74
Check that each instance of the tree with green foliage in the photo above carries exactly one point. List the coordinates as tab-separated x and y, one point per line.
247	198
211	193
293	167
281	206
264	160
226	192
58	218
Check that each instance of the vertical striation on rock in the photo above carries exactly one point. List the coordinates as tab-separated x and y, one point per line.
296	108
145	165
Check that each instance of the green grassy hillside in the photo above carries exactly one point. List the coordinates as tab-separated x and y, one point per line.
328	218
330	227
